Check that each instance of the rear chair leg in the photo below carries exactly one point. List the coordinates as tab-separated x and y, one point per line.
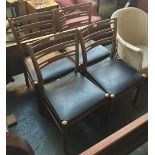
65	142
26	79
136	90
135	95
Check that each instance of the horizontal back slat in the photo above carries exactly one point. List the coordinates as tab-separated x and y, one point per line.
26	18
75	15
37	33
77	6
33	25
100	32
75	24
54	48
55	58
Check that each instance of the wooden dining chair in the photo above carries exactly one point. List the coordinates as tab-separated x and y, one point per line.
74	16
72	96
29	28
111	74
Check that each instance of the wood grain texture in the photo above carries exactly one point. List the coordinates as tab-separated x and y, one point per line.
108	143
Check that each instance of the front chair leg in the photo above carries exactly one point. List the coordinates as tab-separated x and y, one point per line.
136	90
41	106
65	141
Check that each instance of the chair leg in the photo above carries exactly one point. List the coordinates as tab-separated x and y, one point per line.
65	142
26	78
136	90
135	95
41	108
103	115
106	113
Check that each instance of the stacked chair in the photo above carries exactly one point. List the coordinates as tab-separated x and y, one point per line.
71	96
29	28
73	73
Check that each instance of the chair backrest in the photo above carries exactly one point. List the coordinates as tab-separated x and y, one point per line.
74	16
99	33
30	27
132	25
46	51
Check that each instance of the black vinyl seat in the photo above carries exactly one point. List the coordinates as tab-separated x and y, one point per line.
51	71
114	75
72	95
94	55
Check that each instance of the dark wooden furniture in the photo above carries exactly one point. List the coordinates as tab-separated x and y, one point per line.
69	96
111	74
123	141
94	16
70	17
15	145
29	28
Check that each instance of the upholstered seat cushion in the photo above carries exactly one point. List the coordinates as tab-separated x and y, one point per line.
114	75
73	95
95	54
52	71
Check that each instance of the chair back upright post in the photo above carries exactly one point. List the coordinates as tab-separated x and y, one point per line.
42	51
23	8
99	33
70	17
